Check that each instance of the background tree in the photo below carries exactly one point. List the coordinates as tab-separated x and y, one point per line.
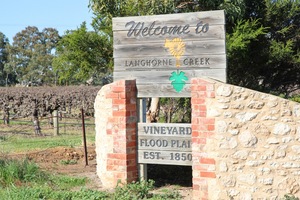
3	57
282	18
31	54
82	56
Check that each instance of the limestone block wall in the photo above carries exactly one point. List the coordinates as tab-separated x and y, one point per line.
115	120
246	144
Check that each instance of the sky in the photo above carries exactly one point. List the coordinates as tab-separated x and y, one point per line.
62	15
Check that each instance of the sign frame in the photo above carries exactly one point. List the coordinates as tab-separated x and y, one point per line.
164	52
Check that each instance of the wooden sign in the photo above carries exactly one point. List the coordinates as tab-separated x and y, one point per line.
164	52
161	143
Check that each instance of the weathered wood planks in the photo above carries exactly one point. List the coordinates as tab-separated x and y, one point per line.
164	52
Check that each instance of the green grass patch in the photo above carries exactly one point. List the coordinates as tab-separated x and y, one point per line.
23	180
44	192
22	143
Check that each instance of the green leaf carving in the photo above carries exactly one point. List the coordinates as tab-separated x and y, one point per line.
178	80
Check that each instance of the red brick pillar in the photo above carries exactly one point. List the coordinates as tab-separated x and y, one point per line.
202	129
116	127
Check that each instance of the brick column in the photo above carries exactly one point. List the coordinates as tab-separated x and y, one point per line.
202	129
116	125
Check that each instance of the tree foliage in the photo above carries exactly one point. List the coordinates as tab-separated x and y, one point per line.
3	58
31	54
81	55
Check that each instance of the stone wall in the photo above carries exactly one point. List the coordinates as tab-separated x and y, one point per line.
115	120
246	144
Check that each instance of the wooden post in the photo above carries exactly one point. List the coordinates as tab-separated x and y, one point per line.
55	123
142	118
84	138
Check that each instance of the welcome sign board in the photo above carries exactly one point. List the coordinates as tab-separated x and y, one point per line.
164	52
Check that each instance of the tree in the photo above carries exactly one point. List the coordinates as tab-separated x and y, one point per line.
82	55
3	57
263	48
31	54
283	64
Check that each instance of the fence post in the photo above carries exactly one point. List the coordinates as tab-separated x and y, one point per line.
84	138
55	122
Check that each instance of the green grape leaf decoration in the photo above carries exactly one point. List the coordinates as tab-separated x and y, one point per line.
178	80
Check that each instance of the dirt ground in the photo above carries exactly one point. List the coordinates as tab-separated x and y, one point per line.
71	161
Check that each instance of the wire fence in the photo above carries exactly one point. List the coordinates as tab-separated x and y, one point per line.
67	124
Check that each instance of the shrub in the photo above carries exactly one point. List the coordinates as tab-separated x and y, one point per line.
133	191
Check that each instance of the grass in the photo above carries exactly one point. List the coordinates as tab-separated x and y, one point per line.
19	136
22	180
21	143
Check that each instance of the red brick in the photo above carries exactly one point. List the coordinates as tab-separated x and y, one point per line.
208	174
197	107
207	160
113	120
112	95
114	167
119	113
203	134
202	114
211	127
201	167
120	175
207	120
116	162
118	101
197	88
195	120
122	95
195	133
199	140
202	108
195	127
118	89
197	101
196	187
121	156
